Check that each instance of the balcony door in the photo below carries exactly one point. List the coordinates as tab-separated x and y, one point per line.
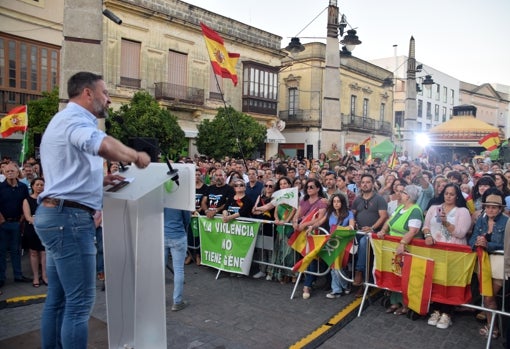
178	74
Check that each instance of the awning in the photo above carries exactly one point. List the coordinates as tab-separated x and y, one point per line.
189	128
274	135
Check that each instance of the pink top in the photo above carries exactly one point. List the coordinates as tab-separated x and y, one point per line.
459	217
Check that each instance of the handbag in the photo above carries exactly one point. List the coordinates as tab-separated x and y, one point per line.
497	266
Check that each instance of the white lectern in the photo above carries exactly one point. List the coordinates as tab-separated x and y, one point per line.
133	253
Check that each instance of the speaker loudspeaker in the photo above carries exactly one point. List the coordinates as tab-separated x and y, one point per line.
362	152
147	144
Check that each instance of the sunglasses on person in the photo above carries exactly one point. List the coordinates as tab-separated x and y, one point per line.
310	187
241	185
268	186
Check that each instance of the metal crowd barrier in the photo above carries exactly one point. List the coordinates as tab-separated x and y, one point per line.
494	312
264	248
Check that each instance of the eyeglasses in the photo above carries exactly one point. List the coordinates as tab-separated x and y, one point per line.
239	185
404	192
268	186
310	187
366	204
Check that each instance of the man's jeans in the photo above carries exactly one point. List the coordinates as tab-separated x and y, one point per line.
338	283
178	248
68	235
10	237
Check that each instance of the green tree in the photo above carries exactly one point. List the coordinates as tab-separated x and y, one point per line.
143	117
217	138
40	112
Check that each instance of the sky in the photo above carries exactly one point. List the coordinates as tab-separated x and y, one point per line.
466	39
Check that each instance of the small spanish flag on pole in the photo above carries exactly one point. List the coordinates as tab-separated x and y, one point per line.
222	61
490	141
16	120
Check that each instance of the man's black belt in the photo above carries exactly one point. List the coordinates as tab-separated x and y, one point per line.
68	203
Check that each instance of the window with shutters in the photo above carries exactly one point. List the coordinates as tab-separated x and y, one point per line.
178	74
260	88
130	63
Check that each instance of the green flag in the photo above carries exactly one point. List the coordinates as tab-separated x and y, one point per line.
335	248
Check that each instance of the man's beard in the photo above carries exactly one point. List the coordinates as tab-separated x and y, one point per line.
100	111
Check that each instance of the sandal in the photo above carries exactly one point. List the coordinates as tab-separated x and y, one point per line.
484	331
401	311
393	308
36	285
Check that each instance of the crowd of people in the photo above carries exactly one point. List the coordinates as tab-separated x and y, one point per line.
460	203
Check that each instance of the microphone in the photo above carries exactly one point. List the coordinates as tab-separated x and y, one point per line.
173	173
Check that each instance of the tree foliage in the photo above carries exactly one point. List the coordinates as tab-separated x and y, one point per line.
143	117
217	138
40	112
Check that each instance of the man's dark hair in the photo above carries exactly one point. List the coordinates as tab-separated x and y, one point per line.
80	81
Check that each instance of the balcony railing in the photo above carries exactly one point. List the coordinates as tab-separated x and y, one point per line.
358	123
179	93
300	117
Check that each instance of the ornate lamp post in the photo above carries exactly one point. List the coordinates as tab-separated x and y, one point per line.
331	123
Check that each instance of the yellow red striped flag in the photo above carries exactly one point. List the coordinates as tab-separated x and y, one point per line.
314	244
417	282
490	141
16	120
484	272
298	239
222	61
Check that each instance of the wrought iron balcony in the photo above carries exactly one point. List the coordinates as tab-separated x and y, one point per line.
179	93
361	124
300	117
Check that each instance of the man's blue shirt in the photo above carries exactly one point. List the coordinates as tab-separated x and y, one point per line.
73	169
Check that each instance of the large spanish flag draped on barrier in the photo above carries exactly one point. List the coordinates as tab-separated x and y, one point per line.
222	61
453	267
16	120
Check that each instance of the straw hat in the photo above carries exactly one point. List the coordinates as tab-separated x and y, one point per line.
493	200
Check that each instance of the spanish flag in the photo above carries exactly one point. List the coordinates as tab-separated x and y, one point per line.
16	120
222	61
417	282
490	141
484	272
314	244
298	238
453	267
393	159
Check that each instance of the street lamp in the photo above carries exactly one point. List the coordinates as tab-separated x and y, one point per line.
330	118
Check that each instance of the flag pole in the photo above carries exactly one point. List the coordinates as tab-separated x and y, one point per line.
24	142
230	120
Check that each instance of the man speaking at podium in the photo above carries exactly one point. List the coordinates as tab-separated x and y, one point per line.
72	152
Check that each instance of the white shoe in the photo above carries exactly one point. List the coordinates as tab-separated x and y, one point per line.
434	318
269	277
259	275
444	322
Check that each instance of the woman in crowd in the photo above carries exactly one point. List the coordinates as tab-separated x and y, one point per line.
387	189
397	194
341	185
447	222
239	205
283	253
405	222
260	211
314	200
489	234
481	186
37	251
298	182
338	215
502	185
